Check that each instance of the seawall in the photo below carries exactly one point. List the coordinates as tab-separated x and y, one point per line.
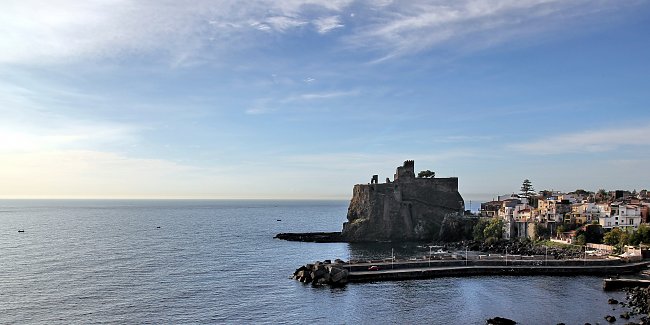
456	271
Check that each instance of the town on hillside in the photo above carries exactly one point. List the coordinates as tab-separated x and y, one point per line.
578	217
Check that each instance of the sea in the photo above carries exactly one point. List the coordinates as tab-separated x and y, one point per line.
216	262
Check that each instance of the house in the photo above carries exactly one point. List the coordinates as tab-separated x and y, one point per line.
490	209
588	212
517	218
553	209
622	215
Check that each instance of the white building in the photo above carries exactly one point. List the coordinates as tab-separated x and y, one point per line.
517	218
586	213
622	215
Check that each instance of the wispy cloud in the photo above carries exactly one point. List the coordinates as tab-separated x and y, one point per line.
591	141
267	105
464	138
43	118
409	27
260	106
279	24
69	134
323	95
327	24
39	32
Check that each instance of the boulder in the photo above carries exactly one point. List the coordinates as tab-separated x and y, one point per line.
319	274
500	321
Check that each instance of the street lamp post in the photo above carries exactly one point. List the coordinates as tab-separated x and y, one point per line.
546	256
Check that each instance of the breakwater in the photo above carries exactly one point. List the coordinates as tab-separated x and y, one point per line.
618	284
370	271
479	270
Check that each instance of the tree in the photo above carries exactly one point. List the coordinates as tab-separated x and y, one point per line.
426	174
593	234
601	195
527	189
494	229
479	228
541	231
641	235
581	192
613	237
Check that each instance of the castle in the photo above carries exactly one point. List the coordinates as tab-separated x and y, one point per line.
408	208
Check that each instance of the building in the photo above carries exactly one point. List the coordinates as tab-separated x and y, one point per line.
622	215
588	212
517	218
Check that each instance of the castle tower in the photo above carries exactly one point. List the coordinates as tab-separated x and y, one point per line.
406	172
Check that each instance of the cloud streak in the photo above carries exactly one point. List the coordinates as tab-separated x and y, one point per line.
406	28
322	95
593	141
38	32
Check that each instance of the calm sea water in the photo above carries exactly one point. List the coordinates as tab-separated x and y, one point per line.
95	262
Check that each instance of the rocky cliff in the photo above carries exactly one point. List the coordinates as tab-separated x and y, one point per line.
407	208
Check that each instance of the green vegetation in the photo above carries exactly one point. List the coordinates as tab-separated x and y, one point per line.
613	237
488	229
591	234
554	244
618	237
541	231
527	188
426	174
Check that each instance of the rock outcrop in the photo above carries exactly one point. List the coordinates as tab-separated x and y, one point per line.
314	237
408	208
500	321
320	273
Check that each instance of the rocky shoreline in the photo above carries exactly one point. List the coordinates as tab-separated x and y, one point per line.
638	301
312	237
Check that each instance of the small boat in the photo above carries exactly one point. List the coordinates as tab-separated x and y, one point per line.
21	230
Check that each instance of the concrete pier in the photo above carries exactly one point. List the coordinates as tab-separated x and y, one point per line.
617	284
387	271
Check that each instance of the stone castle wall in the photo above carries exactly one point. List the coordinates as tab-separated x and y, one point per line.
407	209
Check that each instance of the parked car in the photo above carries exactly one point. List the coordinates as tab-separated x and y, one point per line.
373	268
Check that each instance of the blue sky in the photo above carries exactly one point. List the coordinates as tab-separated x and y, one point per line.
303	99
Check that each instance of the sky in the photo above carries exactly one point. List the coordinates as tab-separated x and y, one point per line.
289	99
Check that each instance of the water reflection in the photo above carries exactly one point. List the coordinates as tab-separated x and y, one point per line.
374	251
